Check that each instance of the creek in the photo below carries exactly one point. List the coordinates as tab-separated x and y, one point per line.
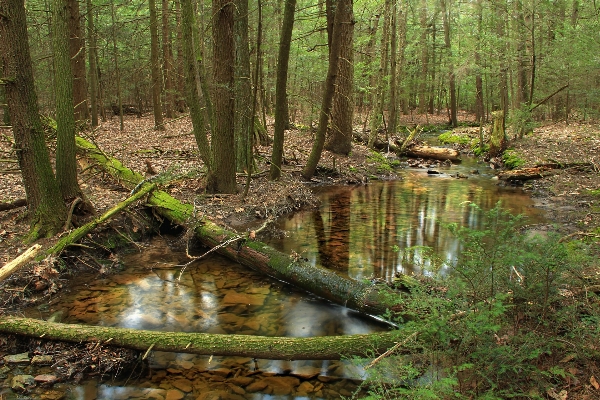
371	231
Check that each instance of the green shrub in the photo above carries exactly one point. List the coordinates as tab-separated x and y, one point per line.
512	160
510	318
450	137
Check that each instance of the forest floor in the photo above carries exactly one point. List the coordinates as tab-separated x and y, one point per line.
570	194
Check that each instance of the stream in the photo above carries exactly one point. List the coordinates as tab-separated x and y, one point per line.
371	231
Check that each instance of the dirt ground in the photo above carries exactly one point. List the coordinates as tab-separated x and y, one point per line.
570	194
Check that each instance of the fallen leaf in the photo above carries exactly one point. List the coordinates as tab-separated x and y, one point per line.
594	382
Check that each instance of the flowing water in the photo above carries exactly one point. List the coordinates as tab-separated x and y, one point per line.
366	231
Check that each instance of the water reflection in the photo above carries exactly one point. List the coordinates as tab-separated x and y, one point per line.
379	229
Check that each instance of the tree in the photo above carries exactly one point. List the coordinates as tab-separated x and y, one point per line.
66	163
281	99
334	55
222	142
243	86
155	67
451	76
167	56
342	112
93	66
77	54
46	208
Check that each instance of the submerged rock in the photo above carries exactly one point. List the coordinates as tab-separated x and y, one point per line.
21	383
21	358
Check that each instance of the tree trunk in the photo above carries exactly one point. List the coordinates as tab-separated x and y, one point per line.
77	54
281	117
191	83
180	80
424	57
498	135
113	17
334	55
223	141
93	68
243	86
167	57
272	348
361	296
155	67
66	163
46	208
435	153
393	104
342	112
451	76
479	108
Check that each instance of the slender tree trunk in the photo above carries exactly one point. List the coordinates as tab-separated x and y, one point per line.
281	87
179	77
393	104
66	163
93	66
479	107
77	53
223	140
451	76
370	58
243	86
191	83
167	56
424	57
522	84
334	55
46	208
155	66
342	112
113	17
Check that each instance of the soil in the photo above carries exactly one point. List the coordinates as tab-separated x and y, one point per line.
571	192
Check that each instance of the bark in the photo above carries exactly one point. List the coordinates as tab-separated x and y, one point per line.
13	204
46	208
243	87
223	141
436	153
113	17
479	109
498	135
393	104
155	67
191	84
342	112
167	57
66	163
361	296
77	55
424	57
524	174
281	118
18	262
334	55
273	348
451	76
93	72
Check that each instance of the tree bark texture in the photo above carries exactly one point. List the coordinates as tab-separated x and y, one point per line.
281	117
155	67
334	56
191	83
167	58
435	153
498	135
273	348
243	86
451	76
223	142
361	296
77	54
93	68
342	111
46	208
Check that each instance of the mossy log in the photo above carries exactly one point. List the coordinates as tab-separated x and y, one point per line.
362	296
20	261
524	174
274	348
83	230
435	153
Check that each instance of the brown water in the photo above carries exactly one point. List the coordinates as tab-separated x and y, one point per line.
364	231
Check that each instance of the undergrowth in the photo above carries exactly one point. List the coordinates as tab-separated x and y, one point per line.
513	317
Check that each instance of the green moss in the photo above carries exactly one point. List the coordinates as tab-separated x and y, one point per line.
512	159
383	165
450	137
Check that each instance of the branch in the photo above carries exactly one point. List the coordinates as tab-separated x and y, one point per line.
18	262
549	97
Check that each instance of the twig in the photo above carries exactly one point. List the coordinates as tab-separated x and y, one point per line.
71	210
564	238
18	262
391	350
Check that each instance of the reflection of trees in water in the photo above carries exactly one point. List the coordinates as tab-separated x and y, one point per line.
334	249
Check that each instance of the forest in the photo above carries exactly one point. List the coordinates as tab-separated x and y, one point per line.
215	118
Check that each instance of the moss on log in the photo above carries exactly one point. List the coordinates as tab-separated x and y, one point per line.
435	153
361	296
274	348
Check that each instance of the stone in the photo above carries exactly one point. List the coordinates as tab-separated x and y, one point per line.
241	380
21	358
282	385
20	383
257	386
186	364
236	389
224	372
41	360
233	297
305	388
45	378
157	394
182	384
306	372
174	394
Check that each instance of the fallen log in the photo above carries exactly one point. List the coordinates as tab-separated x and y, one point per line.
364	297
274	348
435	153
83	230
524	174
18	262
13	204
